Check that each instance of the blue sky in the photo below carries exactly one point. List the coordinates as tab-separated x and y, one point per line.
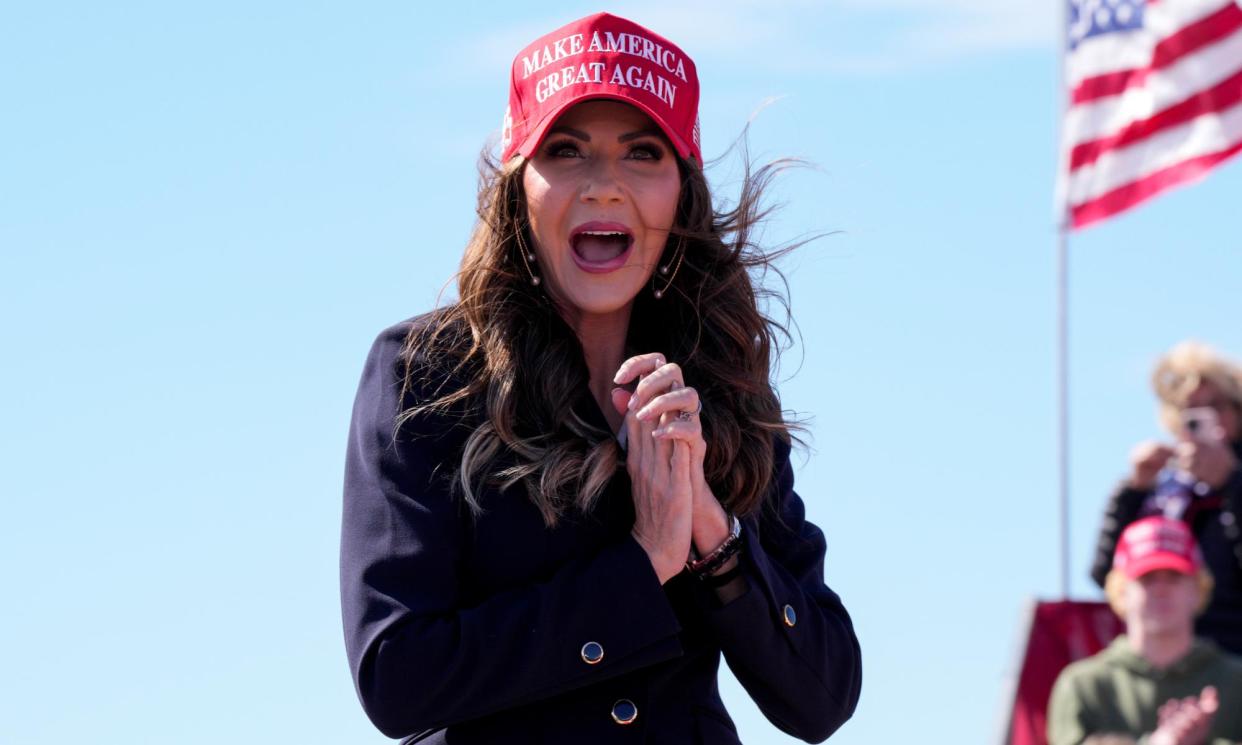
208	212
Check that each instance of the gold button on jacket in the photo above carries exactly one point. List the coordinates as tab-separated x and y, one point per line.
592	653
624	711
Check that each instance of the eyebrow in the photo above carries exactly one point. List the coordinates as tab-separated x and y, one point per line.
640	133
572	132
623	138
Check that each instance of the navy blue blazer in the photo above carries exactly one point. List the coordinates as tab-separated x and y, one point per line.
498	629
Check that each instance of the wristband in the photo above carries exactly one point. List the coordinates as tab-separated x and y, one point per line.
704	567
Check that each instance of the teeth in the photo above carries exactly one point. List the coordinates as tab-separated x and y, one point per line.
603	232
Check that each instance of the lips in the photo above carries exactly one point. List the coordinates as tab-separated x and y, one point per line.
601	246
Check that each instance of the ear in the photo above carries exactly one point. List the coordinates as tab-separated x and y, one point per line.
1114	588
1206	585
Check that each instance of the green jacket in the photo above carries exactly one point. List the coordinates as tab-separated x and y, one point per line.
1118	692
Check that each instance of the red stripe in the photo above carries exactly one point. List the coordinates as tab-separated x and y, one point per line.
1188	40
1219	97
1124	197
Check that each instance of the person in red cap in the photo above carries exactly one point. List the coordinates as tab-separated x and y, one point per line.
569	493
1157	684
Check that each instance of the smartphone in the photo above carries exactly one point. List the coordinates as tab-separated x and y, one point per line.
1200	423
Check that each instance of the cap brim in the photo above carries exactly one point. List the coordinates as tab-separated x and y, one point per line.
528	145
1157	561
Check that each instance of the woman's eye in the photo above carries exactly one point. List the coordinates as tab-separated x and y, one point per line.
564	150
646	151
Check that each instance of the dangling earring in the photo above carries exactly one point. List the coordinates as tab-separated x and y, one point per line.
669	270
528	257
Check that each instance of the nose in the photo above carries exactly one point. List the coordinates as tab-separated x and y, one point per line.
601	185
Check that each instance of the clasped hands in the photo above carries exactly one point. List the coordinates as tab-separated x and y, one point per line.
674	508
1186	721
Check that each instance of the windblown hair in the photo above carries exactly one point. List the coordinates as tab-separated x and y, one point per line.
1180	371
524	369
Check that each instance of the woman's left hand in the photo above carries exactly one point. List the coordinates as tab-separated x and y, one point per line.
661	395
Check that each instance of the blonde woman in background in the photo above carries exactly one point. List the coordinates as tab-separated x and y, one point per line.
1196	478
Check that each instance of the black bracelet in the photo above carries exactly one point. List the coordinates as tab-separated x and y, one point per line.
722	554
716	581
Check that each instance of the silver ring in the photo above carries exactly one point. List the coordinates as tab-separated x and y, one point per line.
684	415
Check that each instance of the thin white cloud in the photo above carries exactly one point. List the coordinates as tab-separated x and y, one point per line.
800	36
885	36
864	36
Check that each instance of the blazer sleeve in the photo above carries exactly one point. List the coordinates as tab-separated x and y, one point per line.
788	638
420	660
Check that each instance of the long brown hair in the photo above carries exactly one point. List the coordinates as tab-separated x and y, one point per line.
523	366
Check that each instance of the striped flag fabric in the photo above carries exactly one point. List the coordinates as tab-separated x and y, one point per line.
1154	100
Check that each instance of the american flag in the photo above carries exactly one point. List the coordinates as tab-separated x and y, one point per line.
1154	100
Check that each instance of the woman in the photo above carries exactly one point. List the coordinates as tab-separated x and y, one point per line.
570	492
1190	379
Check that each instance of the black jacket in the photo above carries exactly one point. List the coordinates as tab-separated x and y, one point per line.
1219	536
464	630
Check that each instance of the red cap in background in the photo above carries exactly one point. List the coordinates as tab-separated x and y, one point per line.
1157	543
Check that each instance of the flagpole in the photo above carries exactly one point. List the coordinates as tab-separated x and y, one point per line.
1063	328
1063	401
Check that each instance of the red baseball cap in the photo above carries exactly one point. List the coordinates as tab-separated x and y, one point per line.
1157	543
601	56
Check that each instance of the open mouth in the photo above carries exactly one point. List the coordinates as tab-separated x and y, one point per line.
600	244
